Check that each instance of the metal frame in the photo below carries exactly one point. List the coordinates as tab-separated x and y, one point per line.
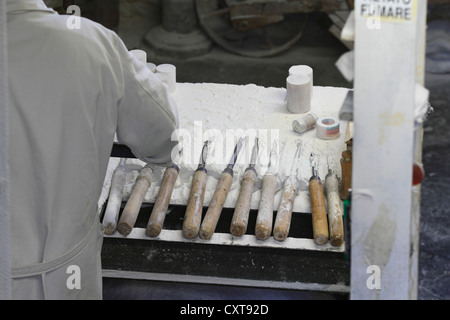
224	249
229	240
169	277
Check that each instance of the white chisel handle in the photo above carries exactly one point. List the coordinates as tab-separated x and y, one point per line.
284	213
335	210
264	218
134	203
114	200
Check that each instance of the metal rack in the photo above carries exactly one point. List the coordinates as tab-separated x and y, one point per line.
296	263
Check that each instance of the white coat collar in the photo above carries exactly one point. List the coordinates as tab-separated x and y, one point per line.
26	5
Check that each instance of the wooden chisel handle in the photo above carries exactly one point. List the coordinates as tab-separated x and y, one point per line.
193	215
335	210
156	221
215	207
114	200
284	213
318	211
346	167
264	218
242	209
134	203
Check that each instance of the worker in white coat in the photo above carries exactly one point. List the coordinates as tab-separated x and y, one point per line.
70	91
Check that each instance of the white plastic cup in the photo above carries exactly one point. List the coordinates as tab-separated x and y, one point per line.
298	93
303	70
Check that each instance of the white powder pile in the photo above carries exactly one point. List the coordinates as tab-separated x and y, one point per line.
222	113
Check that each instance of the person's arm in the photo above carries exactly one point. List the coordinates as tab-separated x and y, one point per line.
147	115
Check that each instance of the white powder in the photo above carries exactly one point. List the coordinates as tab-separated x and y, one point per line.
221	110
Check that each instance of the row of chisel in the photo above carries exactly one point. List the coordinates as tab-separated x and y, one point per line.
325	226
193	226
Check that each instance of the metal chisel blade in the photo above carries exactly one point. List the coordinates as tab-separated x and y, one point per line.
237	148
273	160
203	155
295	162
254	156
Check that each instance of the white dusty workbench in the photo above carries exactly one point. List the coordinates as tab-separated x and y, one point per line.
219	111
224	112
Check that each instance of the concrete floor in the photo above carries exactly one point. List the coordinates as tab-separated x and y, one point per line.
434	255
319	49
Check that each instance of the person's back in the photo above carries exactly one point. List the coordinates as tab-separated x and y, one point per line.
69	92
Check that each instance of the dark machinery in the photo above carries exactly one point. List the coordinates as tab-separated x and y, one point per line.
259	28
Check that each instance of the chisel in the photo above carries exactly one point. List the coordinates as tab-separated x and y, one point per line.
346	162
242	209
288	193
134	203
335	209
194	209
158	215
264	218
220	194
318	209
115	198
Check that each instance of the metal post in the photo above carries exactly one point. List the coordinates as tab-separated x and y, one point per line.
5	260
383	260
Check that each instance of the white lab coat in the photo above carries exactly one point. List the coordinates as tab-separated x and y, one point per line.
70	91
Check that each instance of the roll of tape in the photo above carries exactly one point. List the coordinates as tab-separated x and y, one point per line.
327	128
305	123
